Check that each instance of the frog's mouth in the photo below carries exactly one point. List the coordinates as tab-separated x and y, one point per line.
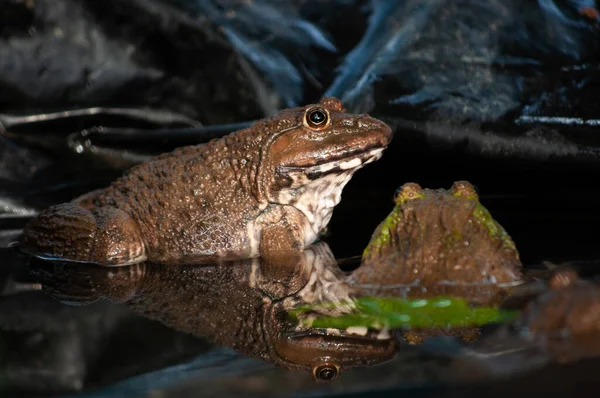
359	334
337	165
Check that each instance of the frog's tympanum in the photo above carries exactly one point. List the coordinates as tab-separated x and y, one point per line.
439	237
243	305
266	190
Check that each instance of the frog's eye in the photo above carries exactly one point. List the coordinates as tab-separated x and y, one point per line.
316	118
326	372
465	189
407	192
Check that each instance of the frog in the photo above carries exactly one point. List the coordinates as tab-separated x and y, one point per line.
439	238
438	242
263	191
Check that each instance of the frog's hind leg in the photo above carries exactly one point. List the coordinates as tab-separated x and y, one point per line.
69	232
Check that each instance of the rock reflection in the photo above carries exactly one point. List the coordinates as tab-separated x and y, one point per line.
564	320
242	305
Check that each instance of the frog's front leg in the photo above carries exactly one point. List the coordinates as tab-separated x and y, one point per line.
283	232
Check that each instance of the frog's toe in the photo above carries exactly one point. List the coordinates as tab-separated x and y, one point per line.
69	232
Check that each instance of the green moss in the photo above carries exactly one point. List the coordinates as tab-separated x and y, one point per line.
472	196
390	312
495	230
382	235
454	236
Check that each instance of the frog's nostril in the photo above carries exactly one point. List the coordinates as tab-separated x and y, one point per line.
371	123
367	123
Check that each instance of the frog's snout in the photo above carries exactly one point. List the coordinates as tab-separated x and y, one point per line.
366	122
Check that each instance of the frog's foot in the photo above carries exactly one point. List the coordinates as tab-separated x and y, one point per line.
69	232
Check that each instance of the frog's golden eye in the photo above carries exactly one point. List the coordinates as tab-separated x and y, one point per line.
407	192
326	372
464	189
316	118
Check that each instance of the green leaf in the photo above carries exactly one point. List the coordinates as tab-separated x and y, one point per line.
390	312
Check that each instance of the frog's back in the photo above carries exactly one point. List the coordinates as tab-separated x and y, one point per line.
184	202
195	201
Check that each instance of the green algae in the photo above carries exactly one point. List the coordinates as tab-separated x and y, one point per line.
495	230
394	313
383	233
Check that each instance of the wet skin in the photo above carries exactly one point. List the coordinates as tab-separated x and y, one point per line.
267	191
242	305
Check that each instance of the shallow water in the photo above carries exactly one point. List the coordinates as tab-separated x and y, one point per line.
548	220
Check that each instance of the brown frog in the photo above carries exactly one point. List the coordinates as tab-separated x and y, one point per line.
439	243
243	305
439	237
262	191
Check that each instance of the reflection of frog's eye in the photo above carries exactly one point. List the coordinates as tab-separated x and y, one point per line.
326	372
317	118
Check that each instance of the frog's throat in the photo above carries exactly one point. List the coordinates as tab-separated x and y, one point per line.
316	190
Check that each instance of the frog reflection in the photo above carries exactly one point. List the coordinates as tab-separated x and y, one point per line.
242	305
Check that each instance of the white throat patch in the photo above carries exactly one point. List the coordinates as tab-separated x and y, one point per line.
317	198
